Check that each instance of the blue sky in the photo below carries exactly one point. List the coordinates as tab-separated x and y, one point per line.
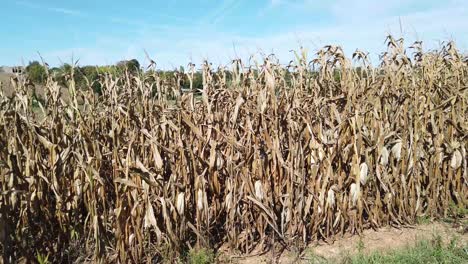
176	32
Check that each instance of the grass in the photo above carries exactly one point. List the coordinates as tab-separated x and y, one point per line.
458	211
423	220
42	259
424	251
200	256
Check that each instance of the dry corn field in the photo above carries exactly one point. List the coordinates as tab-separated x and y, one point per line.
268	155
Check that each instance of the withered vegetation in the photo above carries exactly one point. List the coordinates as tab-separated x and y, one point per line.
267	155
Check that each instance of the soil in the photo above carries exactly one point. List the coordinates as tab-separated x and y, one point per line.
384	239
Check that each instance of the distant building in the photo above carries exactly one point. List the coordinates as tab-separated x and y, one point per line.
12	70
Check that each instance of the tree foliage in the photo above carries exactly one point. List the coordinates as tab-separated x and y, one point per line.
36	72
88	76
132	66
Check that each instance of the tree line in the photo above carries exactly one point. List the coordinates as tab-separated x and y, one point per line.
89	76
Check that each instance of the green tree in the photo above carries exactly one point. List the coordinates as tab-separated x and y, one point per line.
36	72
92	75
197	80
132	66
65	73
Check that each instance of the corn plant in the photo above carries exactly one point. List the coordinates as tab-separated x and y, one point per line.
267	155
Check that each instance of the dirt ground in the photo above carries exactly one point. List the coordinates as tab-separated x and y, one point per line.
384	239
